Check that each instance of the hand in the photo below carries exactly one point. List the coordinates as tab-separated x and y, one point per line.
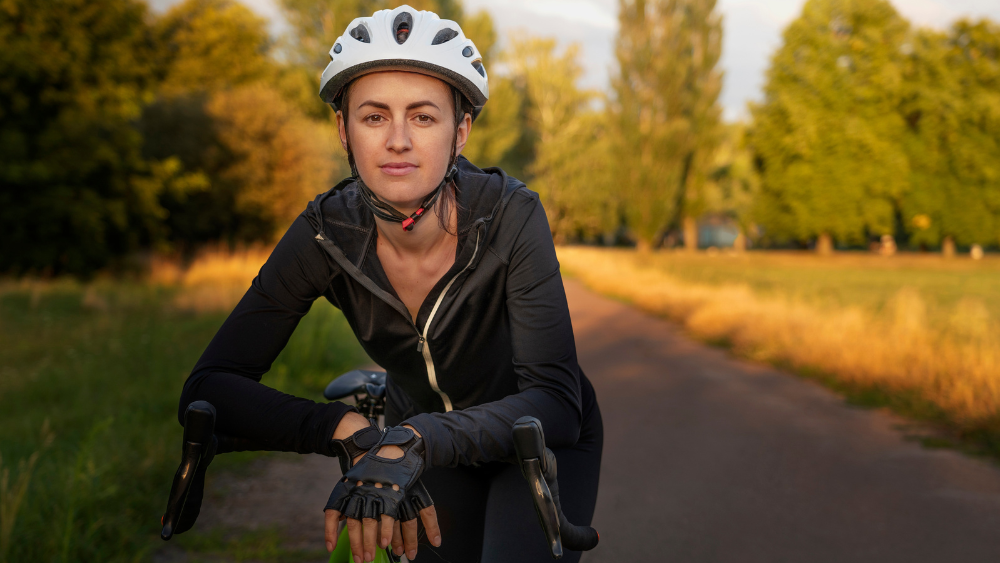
364	542
378	491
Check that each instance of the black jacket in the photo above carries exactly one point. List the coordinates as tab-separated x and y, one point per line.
492	341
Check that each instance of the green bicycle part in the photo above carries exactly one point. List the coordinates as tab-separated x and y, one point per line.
342	553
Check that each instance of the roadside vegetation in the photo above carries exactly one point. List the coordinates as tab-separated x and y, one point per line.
88	402
916	333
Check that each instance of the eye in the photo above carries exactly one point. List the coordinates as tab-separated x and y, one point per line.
424	118
374	118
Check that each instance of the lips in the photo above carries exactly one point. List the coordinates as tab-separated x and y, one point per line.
398	168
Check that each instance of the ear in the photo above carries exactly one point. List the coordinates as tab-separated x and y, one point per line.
342	129
464	128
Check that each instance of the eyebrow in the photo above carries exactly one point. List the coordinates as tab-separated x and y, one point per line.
414	105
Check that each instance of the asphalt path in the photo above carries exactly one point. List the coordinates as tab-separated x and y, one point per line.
712	459
706	459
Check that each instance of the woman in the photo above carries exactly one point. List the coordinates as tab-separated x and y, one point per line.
466	313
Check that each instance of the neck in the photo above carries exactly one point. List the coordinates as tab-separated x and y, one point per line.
426	234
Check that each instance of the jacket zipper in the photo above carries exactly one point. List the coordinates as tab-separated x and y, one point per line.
422	345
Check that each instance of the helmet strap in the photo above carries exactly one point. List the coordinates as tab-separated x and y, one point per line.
383	210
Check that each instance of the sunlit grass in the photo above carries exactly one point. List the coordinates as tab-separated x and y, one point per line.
104	363
919	333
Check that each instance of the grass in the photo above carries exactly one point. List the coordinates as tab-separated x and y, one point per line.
99	367
918	334
261	546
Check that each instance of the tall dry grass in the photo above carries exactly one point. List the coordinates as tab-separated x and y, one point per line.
214	281
954	366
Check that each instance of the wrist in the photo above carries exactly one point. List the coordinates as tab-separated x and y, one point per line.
349	424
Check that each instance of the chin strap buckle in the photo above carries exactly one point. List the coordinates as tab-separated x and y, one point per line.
412	219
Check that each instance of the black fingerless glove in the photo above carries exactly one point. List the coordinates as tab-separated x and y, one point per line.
358	443
368	501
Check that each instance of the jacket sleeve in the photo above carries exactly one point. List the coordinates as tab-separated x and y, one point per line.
544	357
229	372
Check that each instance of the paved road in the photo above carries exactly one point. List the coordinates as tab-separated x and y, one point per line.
711	459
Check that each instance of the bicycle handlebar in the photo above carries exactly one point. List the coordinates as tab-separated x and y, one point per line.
538	465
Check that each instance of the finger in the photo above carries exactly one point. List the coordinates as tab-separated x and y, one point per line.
410	538
354	533
332	517
385	534
397	539
371	536
429	517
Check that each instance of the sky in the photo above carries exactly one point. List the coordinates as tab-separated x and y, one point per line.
752	31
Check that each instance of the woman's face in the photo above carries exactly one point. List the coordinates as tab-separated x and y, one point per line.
402	126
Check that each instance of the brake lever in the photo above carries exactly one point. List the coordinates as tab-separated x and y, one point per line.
199	428
538	465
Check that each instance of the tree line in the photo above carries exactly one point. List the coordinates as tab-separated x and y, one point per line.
869	127
125	132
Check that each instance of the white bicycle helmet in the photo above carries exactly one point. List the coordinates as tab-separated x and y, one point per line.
410	40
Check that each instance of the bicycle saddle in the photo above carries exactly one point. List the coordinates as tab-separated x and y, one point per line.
356	382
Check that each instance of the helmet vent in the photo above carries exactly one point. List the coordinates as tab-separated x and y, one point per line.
444	36
478	65
401	27
361	34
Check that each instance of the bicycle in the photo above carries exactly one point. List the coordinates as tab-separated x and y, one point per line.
367	387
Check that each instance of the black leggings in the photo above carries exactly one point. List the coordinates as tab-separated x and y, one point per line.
486	513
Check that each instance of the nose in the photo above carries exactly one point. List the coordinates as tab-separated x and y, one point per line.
399	136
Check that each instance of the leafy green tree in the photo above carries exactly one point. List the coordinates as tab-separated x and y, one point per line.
952	109
74	189
665	110
500	124
277	160
700	102
829	137
229	111
209	45
571	153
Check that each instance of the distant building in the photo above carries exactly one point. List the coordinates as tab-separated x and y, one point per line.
718	231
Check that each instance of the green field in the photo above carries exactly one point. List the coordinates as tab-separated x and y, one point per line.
845	279
100	367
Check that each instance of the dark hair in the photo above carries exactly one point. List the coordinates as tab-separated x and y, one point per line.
448	197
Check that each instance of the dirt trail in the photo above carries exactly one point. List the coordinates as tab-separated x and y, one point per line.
710	459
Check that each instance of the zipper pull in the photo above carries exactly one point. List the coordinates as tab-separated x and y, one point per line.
420	344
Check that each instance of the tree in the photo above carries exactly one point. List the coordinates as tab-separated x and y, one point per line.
75	189
499	126
232	113
828	137
210	45
571	151
665	109
952	110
